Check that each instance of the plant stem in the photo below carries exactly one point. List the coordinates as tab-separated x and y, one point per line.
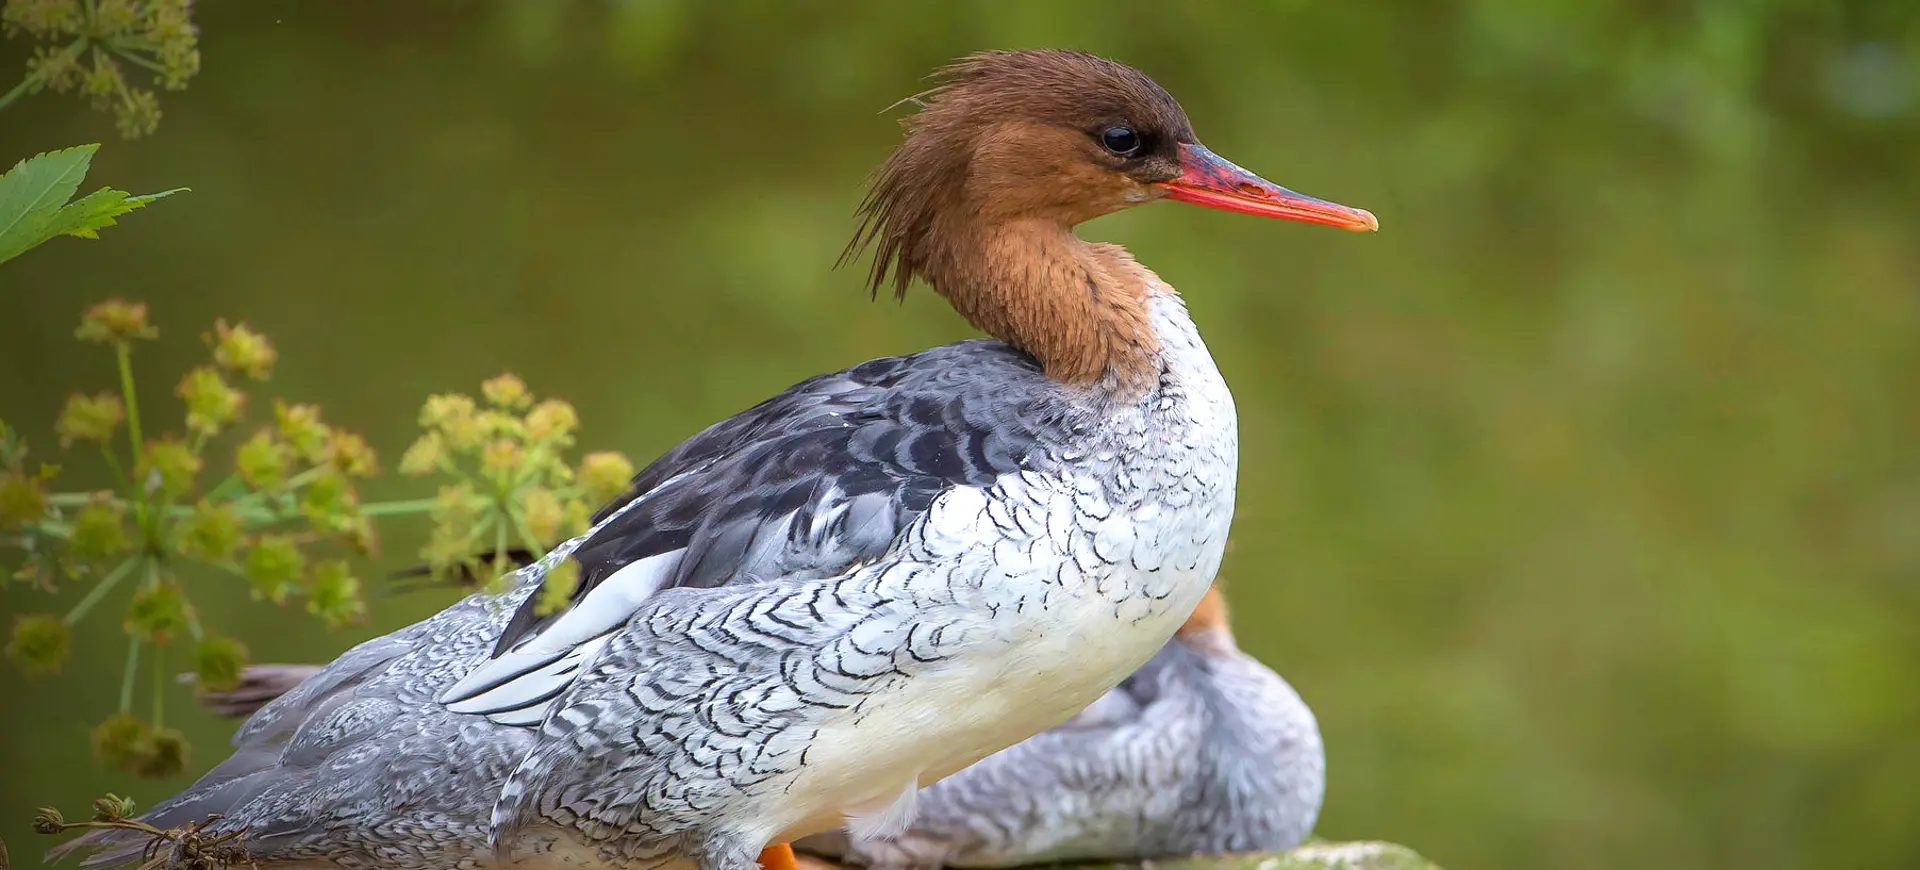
393	508
113	462
99	591
534	547
159	686
126	679
71	499
33	83
500	550
125	52
220	490
123	353
26	86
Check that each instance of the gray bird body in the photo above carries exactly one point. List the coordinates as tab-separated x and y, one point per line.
1202	751
800	616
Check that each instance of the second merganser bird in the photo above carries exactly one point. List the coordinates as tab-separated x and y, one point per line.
807	611
1203	751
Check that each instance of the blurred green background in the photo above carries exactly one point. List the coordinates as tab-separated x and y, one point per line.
1582	502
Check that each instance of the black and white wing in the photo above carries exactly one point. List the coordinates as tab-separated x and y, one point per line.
810	483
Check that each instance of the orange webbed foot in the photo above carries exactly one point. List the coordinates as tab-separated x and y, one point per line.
778	857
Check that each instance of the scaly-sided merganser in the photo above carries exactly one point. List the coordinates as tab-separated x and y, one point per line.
1202	751
857	587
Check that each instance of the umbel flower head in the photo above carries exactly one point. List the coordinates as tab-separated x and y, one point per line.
93	47
514	487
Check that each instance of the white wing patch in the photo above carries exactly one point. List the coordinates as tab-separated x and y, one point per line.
518	686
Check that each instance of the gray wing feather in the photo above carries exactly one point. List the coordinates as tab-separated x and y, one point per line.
807	484
709	693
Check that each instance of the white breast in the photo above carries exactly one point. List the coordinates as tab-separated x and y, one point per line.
1054	584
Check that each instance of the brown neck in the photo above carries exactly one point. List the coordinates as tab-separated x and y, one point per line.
1078	307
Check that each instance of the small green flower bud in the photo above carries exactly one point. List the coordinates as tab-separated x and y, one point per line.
99	531
350	454
273	566
157	613
166	755
424	456
112	808
44	19
605	474
502	459
55	66
171	466
444	552
575	520
121	740
102	81
464	435
211	403
210	534
40	643
542	513
552	422
300	427
507	392
262	462
239	349
114	17
48	820
115	321
457	504
443	407
556	589
218	662
328	499
90	418
359	534
22	500
501	424
333	594
137	114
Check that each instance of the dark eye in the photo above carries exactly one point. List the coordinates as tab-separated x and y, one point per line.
1121	141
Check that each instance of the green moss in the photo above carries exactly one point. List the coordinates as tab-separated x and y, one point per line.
1313	856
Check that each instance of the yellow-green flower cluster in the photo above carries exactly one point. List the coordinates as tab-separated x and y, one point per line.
131	743
39	642
515	487
90	418
86	44
292	488
115	321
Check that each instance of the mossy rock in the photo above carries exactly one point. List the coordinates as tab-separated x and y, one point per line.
1319	855
1312	856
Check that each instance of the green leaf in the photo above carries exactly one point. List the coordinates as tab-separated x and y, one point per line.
96	211
34	207
33	191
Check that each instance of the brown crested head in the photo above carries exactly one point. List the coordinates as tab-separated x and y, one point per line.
1056	135
1006	154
